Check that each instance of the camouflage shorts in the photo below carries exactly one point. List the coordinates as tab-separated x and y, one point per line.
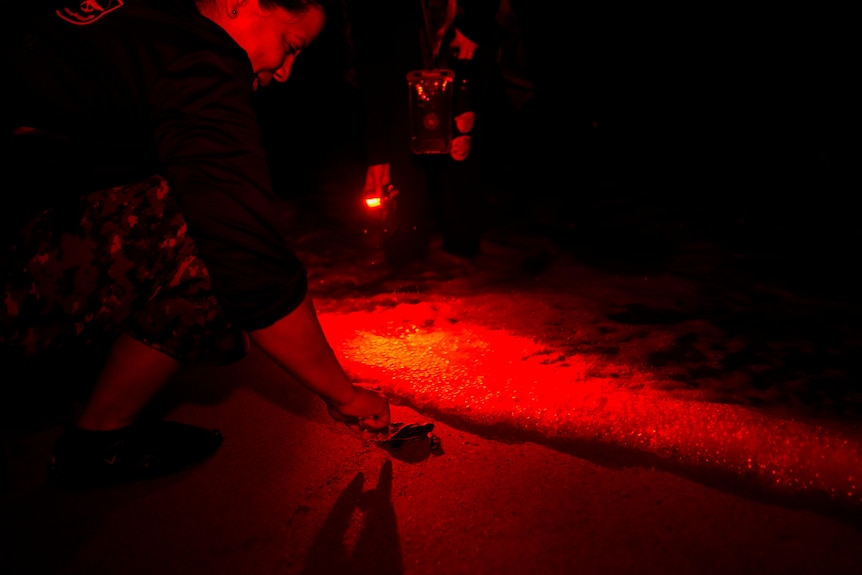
126	265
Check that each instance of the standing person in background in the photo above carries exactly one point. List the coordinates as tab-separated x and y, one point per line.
393	38
161	233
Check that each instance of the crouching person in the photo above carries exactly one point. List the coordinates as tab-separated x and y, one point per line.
161	232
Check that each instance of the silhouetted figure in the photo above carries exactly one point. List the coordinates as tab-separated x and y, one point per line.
437	191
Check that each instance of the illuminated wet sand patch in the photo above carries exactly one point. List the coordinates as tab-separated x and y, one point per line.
426	355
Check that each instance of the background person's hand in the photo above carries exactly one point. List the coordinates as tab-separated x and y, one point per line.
376	180
462	46
460	148
368	411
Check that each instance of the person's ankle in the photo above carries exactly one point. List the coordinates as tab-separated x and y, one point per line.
96	423
85	458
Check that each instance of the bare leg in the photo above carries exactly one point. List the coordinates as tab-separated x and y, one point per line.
133	373
103	447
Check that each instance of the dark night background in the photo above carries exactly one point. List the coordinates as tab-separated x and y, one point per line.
618	132
690	423
624	137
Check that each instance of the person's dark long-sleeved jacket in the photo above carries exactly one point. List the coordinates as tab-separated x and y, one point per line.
103	94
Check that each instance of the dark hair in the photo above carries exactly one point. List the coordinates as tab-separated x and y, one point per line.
291	5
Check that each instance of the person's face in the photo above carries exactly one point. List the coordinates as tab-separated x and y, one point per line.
273	38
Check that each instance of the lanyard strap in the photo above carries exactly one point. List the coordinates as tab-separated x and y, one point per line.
438	16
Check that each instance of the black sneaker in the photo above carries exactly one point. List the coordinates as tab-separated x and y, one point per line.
82	458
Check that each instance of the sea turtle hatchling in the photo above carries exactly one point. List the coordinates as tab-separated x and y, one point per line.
409	433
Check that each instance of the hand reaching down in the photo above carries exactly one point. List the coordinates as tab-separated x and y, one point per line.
368	411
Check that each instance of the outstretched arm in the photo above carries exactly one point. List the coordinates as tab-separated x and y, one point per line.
297	343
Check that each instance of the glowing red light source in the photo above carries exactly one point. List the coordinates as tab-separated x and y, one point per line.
373	202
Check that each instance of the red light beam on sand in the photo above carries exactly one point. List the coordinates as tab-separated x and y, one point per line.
491	378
